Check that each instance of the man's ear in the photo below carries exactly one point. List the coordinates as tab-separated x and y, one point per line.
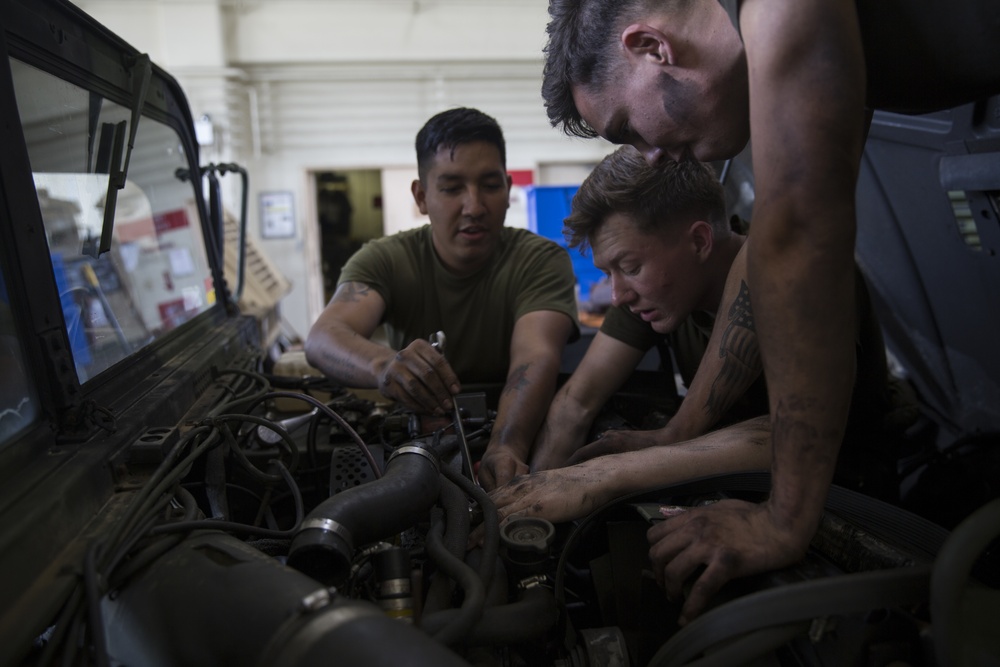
643	41
702	239
419	195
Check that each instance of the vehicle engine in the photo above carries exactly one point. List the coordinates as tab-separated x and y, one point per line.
256	533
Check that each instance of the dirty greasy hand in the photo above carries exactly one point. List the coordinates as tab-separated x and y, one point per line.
558	495
498	466
616	441
731	538
420	378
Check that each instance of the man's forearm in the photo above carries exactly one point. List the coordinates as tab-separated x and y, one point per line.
565	427
603	369
346	356
522	406
742	446
572	492
807	346
807	147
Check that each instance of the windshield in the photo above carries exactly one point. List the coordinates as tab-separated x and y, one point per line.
156	275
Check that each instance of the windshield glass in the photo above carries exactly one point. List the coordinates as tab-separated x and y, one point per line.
156	275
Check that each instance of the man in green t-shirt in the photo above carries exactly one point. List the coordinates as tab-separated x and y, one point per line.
663	237
679	271
504	298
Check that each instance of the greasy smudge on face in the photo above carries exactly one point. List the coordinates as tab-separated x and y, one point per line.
679	99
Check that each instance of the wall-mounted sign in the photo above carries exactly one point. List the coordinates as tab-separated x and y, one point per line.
277	215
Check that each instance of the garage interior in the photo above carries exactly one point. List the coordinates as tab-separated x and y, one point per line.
196	494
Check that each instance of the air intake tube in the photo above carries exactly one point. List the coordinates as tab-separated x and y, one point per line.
325	544
214	600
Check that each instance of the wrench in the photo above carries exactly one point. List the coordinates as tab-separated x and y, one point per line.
437	341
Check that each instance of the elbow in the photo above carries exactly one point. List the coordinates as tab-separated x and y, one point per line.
311	348
314	345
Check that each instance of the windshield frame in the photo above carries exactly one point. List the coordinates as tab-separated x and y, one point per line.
67	50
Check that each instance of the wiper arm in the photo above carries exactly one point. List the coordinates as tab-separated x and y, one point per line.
142	71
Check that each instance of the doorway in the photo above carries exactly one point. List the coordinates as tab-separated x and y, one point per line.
349	211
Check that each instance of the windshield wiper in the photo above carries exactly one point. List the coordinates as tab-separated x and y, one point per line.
141	70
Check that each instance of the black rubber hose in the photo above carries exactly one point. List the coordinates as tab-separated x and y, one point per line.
491	524
950	579
456	510
530	617
327	411
498	592
842	594
141	558
456	537
244	529
457	628
758	643
324	546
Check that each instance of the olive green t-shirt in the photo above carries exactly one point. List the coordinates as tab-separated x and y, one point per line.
477	313
688	344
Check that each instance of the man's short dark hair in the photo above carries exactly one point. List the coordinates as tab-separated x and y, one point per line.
583	51
579	52
654	198
452	128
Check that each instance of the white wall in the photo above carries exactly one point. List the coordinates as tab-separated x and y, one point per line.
400	211
299	86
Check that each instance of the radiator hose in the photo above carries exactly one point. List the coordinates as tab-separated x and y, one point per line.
326	542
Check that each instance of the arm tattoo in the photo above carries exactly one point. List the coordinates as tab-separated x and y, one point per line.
351	292
740	355
517	379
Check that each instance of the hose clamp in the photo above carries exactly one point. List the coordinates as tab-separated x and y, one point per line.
329	526
414	449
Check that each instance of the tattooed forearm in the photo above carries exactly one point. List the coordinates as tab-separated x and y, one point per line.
517	379
351	292
740	356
